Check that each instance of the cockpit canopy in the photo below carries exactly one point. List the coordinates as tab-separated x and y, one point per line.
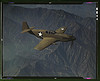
50	32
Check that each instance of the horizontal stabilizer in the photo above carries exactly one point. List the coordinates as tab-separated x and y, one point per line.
32	27
26	30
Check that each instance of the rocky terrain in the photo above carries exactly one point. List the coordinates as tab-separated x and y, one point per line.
20	59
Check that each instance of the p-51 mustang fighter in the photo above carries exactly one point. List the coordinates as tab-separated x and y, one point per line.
49	37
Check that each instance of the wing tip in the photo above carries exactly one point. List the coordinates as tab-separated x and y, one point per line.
37	48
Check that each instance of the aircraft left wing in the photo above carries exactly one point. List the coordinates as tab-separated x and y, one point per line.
47	41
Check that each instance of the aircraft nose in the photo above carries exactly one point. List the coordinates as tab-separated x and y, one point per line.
73	38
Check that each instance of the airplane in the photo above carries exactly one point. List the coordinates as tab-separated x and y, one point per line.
49	37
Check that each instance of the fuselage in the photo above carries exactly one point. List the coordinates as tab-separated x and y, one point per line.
59	36
48	37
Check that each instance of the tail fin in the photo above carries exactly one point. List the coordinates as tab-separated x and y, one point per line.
25	27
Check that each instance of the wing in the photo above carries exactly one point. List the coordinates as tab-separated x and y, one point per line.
45	43
61	30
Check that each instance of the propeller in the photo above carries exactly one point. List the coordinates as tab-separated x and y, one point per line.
71	44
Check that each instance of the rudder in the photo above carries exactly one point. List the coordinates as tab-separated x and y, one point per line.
25	26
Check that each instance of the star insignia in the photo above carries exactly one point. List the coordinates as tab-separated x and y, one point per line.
62	28
40	34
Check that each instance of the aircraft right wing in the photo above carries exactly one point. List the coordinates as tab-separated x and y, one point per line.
47	41
61	30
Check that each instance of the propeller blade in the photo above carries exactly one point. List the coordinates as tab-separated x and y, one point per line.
71	44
